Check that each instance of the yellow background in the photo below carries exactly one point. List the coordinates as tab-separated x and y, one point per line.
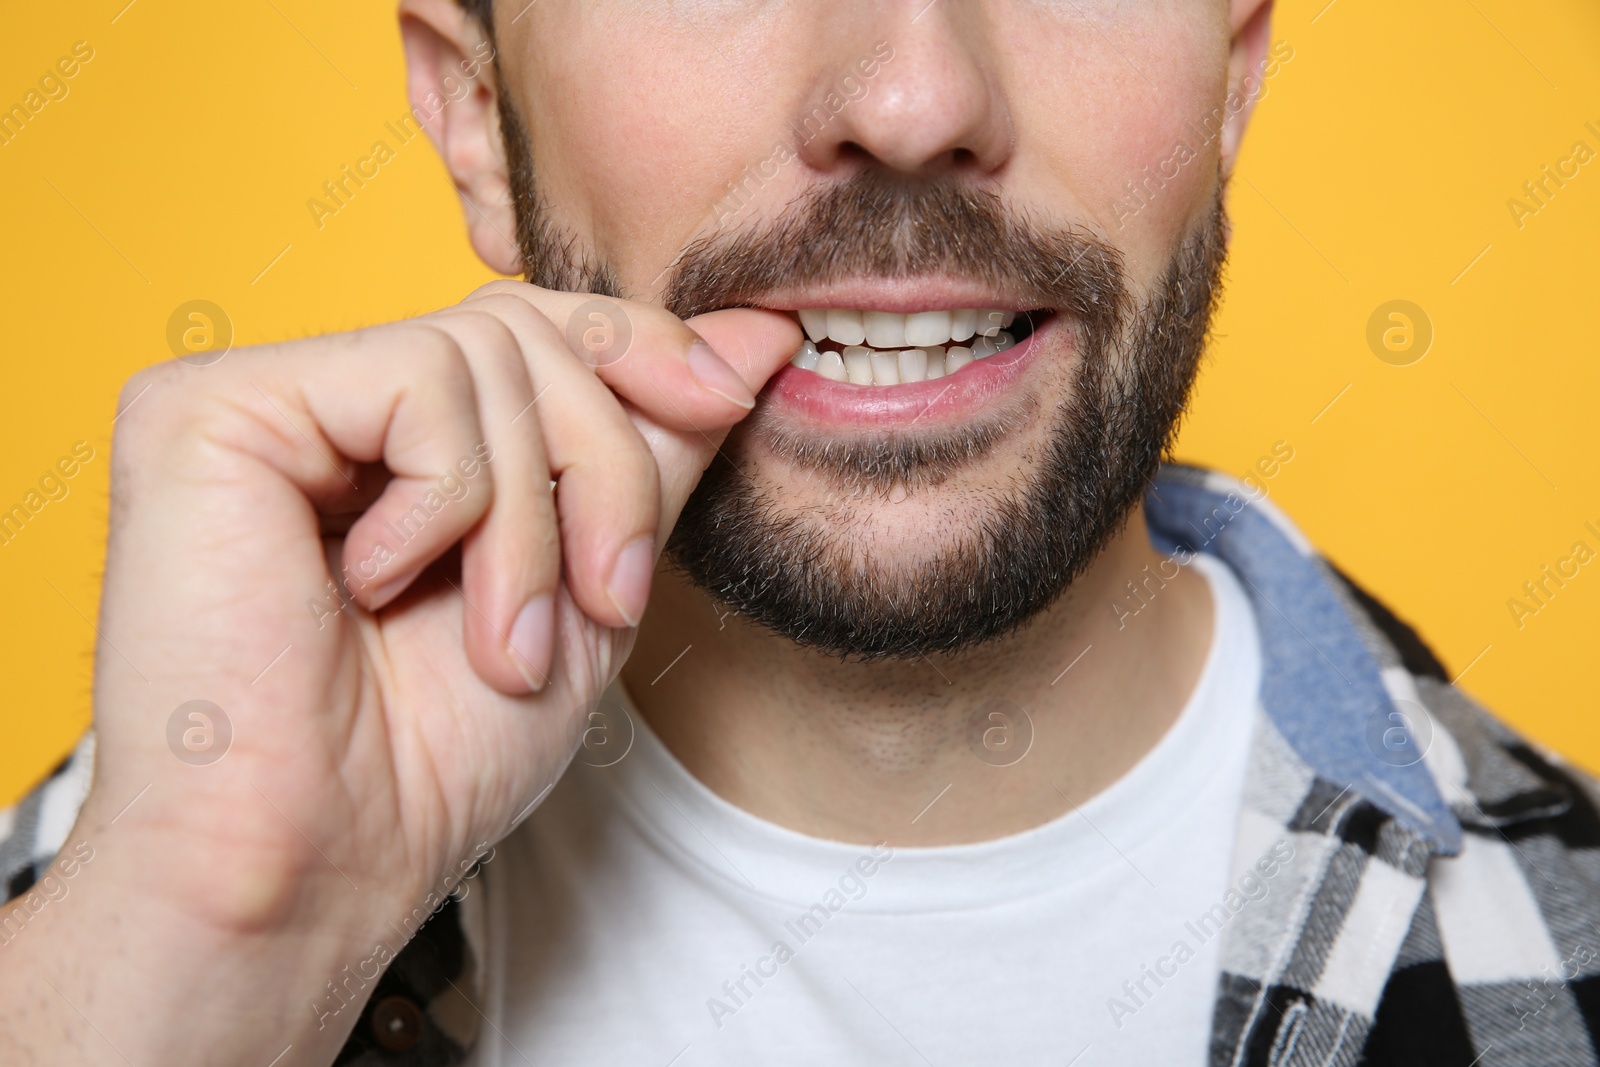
1379	167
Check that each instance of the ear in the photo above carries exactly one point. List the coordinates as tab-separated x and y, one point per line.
1249	68
450	81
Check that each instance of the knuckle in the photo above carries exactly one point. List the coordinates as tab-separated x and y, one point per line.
496	349
168	415
140	382
439	359
519	315
502	287
488	344
659	322
153	398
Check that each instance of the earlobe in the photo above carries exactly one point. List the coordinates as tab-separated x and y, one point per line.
450	81
491	223
1249	70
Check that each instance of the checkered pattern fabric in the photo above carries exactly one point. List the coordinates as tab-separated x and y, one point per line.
1442	906
1434	895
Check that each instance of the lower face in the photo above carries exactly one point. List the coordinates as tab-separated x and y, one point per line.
938	495
981	400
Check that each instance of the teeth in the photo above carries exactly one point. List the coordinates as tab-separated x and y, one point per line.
963	324
858	365
885	368
913	365
885	329
928	328
888	329
815	323
807	358
887	348
845	327
831	366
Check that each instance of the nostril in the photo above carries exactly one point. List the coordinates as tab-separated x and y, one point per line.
957	160
855	152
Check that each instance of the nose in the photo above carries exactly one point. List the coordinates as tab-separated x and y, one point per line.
931	105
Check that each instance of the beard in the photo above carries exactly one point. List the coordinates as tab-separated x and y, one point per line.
812	575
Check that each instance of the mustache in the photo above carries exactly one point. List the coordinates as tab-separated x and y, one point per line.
875	225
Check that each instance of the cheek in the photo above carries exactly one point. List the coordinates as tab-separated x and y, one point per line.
1091	118
636	135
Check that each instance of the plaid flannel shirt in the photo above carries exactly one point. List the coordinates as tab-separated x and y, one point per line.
1441	905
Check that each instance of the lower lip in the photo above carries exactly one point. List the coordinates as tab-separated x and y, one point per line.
954	397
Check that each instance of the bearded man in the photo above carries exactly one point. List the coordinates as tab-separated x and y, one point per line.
810	492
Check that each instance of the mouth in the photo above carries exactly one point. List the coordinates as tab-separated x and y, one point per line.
917	357
890	348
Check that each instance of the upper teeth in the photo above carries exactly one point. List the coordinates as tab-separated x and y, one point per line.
888	329
903	348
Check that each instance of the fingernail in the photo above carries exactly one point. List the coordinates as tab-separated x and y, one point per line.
715	376
392	588
629	586
532	641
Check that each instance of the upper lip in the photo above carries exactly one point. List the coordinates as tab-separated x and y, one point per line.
903	295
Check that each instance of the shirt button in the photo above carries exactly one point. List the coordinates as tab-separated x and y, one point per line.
397	1023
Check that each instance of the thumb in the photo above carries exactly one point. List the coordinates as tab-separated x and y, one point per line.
756	344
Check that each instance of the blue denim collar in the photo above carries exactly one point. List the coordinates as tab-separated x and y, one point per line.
1321	685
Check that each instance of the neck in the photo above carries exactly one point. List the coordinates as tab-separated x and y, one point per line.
936	751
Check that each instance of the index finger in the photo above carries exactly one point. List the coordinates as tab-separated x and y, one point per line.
678	377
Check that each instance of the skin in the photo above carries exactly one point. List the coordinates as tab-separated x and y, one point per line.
400	732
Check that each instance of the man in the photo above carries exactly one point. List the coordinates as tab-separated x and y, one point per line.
810	495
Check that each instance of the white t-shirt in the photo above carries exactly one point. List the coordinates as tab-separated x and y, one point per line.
638	918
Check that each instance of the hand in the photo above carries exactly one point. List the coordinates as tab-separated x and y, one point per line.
381	735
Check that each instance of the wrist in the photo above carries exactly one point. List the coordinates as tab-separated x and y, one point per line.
162	982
